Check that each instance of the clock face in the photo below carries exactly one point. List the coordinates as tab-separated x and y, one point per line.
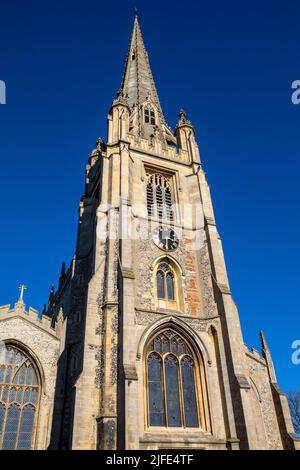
165	238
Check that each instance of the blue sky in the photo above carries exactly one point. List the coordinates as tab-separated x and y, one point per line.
230	65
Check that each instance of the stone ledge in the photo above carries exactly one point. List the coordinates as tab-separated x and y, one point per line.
209	221
166	436
127	273
224	288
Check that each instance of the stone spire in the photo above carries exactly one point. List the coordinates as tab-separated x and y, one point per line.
138	83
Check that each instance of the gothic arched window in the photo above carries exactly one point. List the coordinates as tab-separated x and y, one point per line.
165	282
19	399
167	278
176	385
160	196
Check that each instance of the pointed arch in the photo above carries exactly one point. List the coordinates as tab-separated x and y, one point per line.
20	392
183	328
176	388
167	276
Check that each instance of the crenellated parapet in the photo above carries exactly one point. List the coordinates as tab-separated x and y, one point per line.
31	315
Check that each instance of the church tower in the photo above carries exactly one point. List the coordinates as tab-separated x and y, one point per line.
151	351
154	355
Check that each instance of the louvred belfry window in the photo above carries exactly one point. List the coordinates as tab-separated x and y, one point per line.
19	399
176	386
160	197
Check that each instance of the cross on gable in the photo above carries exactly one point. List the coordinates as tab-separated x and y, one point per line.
22	289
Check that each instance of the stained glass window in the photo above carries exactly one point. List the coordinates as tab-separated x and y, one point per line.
165	284
26	427
156	411
189	392
19	399
2	414
11	427
160	285
170	286
173	390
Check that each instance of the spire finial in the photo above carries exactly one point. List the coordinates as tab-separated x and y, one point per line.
135	12
183	121
182	114
99	143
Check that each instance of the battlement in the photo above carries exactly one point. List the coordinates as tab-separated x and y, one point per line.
254	354
31	315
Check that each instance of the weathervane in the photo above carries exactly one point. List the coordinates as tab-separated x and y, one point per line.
22	288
